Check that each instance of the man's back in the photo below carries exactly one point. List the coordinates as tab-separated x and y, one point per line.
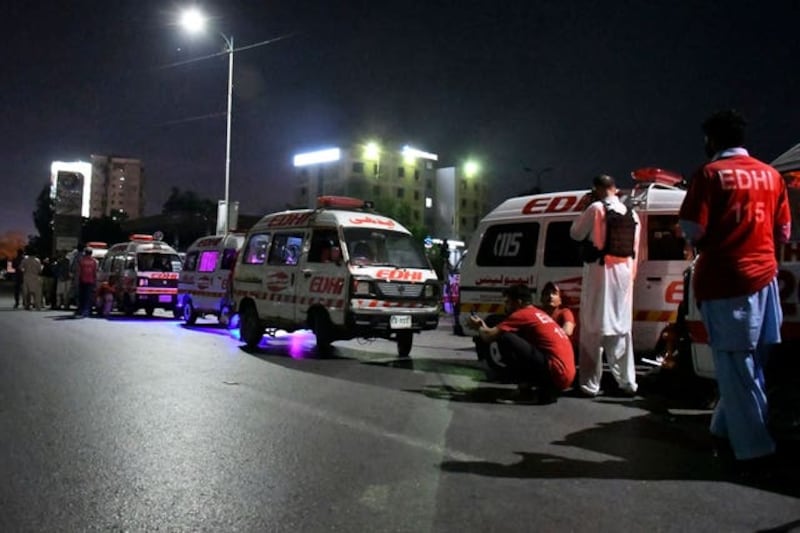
739	200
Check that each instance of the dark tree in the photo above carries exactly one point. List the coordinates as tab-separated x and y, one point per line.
105	229
42	244
188	202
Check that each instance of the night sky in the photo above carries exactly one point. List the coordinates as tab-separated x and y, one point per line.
579	87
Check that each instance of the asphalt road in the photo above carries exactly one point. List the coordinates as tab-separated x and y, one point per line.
142	424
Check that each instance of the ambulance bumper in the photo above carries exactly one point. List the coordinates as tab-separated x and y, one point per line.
383	321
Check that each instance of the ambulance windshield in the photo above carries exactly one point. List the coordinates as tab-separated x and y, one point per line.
153	262
377	247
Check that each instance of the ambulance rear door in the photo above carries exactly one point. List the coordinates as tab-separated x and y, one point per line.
658	287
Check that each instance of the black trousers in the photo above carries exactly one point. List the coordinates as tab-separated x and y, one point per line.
526	362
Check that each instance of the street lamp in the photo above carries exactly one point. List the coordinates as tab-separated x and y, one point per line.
194	21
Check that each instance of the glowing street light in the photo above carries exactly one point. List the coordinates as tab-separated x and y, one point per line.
471	169
194	21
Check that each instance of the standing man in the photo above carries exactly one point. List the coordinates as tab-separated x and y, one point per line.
16	264
607	289
734	211
32	282
87	278
536	348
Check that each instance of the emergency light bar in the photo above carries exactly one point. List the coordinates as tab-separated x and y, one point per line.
657	175
141	237
342	202
97	244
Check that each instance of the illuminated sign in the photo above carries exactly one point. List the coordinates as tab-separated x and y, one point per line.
320	156
413	152
71	187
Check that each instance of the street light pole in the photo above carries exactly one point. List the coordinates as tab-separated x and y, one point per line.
227	211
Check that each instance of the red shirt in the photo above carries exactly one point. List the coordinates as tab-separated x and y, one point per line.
87	270
541	331
741	202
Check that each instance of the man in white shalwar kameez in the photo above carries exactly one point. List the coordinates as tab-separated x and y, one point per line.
606	313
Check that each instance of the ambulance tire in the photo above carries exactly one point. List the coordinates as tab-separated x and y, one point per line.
189	314
323	329
149	310
128	309
404	341
251	328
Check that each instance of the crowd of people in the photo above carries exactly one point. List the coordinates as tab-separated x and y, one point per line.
57	282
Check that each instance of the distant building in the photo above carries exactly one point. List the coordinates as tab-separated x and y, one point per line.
444	201
117	186
461	201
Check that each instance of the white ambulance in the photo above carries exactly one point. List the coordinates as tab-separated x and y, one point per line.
143	273
341	270
526	240
788	164
204	283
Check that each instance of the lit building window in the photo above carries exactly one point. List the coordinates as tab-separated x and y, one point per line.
428	202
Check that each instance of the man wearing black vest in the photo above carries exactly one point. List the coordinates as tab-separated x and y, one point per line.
606	312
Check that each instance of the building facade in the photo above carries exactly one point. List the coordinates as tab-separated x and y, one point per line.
399	180
117	187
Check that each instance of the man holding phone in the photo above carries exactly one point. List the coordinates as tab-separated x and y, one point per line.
536	348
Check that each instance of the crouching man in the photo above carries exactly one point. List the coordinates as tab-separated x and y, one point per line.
537	350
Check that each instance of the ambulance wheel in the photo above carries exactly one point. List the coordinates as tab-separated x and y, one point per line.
405	339
149	310
189	314
323	329
251	328
127	306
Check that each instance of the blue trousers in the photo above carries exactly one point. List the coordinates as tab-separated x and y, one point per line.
741	332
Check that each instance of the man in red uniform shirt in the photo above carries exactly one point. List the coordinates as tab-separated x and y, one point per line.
535	346
87	278
735	210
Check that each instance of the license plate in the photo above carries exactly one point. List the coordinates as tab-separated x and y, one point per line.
164	297
400	322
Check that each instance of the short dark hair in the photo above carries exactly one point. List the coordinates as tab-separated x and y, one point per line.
603	181
725	128
518	292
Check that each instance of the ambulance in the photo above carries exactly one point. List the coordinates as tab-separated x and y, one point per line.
341	270
788	164
143	273
204	283
526	240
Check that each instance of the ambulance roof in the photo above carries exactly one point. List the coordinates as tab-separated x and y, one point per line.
137	246
234	239
301	218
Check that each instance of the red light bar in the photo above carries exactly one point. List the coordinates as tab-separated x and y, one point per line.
657	175
340	202
141	237
97	244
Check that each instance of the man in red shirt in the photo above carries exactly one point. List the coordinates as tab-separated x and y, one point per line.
87	278
735	210
535	346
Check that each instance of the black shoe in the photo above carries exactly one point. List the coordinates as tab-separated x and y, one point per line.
521	396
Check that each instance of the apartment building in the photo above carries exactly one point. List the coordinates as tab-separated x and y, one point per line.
117	185
444	201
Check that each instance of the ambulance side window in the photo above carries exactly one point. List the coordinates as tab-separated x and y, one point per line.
255	252
509	245
208	261
664	239
559	248
228	258
322	243
190	263
130	262
286	249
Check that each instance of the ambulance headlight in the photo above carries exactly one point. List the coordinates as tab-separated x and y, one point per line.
143	282
430	291
361	286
